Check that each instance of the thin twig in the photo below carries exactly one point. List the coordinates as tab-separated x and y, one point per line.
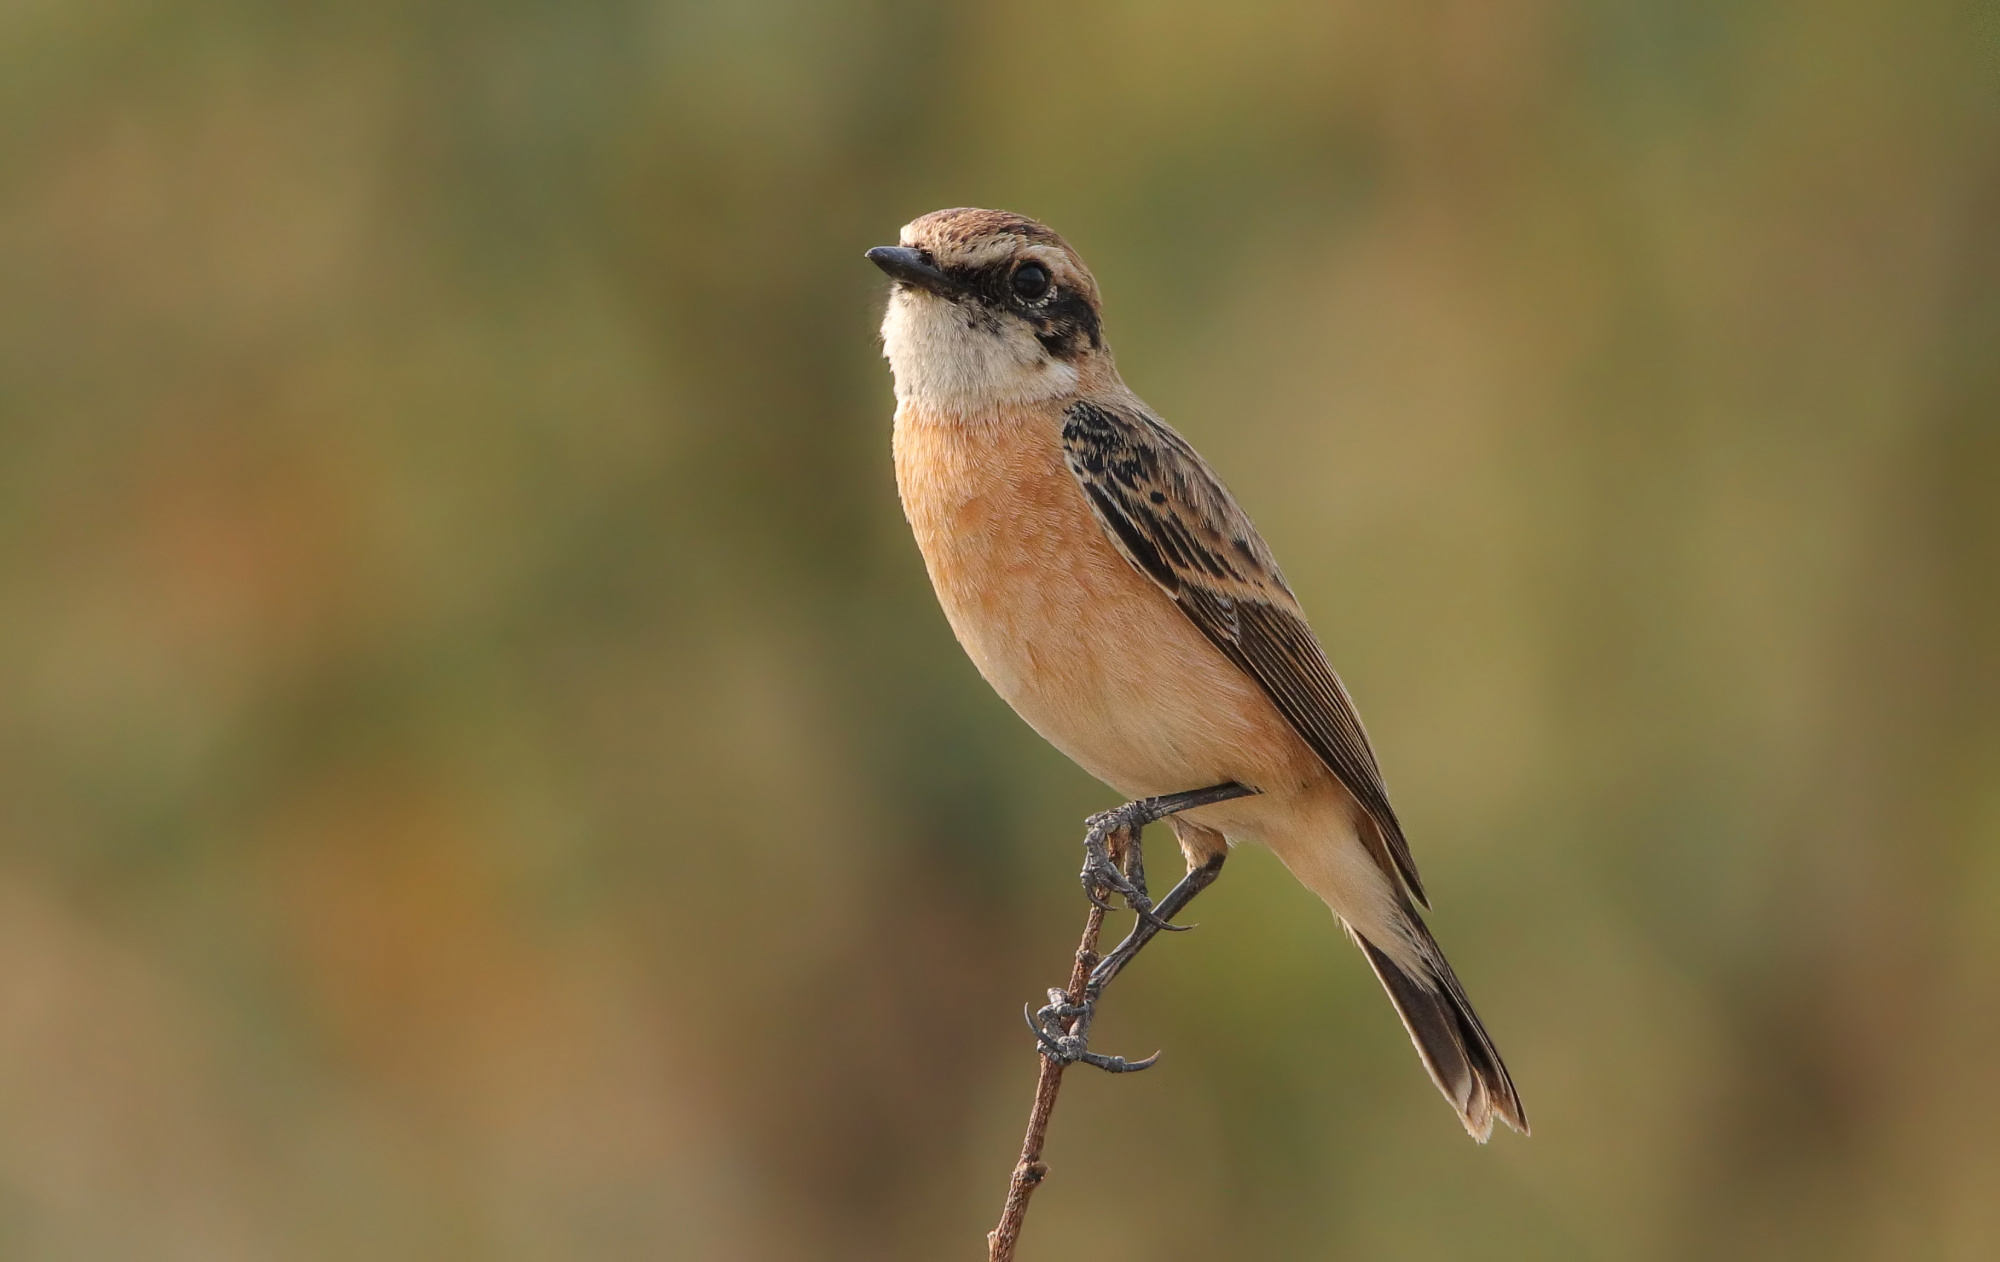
1031	1170
1114	837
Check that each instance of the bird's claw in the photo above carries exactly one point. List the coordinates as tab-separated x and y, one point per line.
1101	879
1102	876
1117	1064
1066	1048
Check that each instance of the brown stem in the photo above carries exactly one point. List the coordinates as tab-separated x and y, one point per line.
1118	830
1031	1170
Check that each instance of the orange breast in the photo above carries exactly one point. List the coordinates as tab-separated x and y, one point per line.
1089	651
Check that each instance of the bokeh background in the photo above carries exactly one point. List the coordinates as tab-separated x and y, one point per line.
482	774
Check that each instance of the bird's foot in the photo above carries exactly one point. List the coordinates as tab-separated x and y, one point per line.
1063	1030
1114	862
1104	875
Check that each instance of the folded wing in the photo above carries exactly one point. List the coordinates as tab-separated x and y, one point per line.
1171	518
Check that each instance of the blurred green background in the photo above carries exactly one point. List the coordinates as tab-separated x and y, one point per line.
482	774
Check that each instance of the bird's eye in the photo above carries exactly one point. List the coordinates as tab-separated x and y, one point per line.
1031	281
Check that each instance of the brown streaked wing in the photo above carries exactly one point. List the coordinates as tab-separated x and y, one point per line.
1169	515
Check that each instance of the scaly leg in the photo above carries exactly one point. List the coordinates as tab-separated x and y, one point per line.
1147	927
1063	1027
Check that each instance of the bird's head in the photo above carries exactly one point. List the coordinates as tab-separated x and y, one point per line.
988	308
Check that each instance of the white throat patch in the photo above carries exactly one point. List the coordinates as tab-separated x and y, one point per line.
964	360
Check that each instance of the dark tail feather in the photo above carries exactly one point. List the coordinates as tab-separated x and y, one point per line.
1454	1046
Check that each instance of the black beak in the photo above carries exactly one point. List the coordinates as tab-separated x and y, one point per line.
913	268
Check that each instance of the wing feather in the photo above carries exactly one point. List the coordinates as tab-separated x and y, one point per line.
1169	515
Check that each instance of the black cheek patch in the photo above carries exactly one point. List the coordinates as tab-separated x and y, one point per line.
1068	325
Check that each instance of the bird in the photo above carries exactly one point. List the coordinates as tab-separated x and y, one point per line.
1111	590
